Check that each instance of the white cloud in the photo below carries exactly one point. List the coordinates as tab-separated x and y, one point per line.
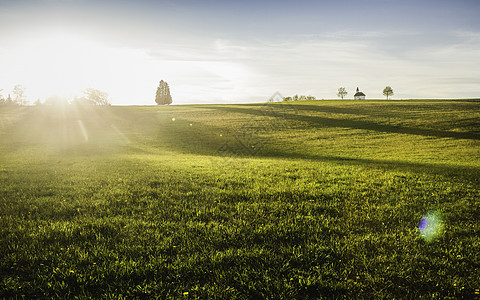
230	70
127	54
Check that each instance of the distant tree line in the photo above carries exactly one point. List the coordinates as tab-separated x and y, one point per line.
18	96
299	98
90	96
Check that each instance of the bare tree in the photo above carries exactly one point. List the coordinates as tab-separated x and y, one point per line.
342	92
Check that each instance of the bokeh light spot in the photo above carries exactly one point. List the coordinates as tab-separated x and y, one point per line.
431	225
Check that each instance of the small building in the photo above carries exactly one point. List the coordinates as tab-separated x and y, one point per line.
359	95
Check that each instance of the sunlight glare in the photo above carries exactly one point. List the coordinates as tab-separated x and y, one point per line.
65	64
60	64
125	139
83	130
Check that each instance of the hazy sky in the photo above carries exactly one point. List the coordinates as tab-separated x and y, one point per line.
214	51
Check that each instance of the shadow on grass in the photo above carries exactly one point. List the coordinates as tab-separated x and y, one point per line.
468	173
322	122
383	108
208	140
153	133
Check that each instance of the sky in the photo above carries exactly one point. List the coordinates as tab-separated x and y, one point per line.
214	51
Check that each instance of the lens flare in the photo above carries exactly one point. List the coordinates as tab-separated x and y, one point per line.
431	226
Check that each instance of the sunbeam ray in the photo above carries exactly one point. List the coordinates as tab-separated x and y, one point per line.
83	130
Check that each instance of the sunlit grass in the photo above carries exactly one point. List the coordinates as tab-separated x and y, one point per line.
310	200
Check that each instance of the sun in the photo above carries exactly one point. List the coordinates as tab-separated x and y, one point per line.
63	65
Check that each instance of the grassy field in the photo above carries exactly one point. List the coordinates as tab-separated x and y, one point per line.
310	200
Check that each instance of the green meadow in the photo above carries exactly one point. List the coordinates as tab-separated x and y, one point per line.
300	200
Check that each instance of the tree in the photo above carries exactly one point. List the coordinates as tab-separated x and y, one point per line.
82	101
163	97
96	96
387	91
19	92
2	100
9	100
342	92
